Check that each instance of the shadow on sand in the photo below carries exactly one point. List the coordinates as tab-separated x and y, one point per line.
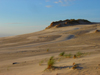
64	67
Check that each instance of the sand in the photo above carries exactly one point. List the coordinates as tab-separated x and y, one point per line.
27	51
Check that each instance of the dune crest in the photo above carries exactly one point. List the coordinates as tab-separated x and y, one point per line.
67	22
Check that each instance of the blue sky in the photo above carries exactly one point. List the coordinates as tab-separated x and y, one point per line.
27	16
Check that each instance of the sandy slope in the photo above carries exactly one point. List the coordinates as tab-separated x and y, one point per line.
29	49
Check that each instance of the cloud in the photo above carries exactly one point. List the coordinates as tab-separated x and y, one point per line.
63	2
48	6
59	1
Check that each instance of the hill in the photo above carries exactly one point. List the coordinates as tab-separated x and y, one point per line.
67	22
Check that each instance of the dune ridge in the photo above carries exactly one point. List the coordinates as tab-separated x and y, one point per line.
67	22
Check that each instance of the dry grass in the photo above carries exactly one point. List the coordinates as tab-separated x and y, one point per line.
75	66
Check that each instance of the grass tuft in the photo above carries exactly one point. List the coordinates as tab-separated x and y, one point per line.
74	56
68	55
79	54
75	66
51	62
47	50
62	54
40	63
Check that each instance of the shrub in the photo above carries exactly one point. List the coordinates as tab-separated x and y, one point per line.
87	21
72	19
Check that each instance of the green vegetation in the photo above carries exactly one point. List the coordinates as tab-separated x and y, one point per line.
40	63
67	21
62	54
68	55
52	57
78	54
51	62
73	21
87	21
47	50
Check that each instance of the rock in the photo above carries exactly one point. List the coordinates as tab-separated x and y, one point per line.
15	63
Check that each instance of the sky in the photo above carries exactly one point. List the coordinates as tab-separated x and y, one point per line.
27	16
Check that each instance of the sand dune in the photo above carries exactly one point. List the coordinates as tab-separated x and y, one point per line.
28	50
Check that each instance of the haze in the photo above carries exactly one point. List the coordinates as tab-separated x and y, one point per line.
27	16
